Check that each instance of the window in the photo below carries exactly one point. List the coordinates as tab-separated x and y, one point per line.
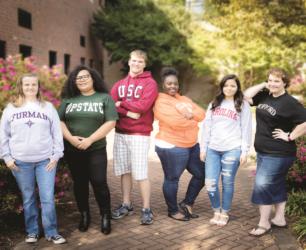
82	41
82	60
91	63
52	58
25	50
66	63
24	19
2	49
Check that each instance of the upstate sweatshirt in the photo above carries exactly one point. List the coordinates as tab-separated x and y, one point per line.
30	133
136	94
174	128
224	128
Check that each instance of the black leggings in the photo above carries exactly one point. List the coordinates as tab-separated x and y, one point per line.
89	166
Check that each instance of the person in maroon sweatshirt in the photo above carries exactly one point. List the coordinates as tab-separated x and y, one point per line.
134	97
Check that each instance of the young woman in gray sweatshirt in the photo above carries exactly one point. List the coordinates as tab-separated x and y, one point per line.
31	145
226	139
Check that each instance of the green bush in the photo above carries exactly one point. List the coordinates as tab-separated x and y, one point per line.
296	204
300	227
10	196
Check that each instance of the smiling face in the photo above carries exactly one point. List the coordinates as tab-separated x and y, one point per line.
30	87
230	89
171	85
137	64
276	85
84	82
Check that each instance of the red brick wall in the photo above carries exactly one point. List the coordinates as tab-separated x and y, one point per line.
56	25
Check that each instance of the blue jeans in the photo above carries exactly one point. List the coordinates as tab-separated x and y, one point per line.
174	161
26	177
270	180
224	163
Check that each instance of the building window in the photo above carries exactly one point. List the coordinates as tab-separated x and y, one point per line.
83	60
25	50
24	19
66	63
82	41
2	49
52	58
91	63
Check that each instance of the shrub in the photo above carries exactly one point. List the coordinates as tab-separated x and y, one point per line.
300	227
11	68
296	204
10	196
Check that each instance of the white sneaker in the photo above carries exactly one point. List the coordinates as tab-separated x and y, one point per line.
31	238
57	239
214	220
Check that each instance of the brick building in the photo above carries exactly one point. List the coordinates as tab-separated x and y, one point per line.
54	31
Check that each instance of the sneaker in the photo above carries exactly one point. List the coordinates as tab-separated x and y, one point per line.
57	239
146	216
31	238
215	220
122	211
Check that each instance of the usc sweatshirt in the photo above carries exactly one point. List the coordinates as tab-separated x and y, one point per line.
136	94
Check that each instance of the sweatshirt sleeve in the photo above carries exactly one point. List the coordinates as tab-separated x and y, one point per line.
146	101
198	112
166	112
246	128
5	134
57	136
206	130
114	95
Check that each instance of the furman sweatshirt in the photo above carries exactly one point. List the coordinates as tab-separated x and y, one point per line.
225	129
30	133
136	94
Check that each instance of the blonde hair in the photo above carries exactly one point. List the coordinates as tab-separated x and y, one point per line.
140	53
19	98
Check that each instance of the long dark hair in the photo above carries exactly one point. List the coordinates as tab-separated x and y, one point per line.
71	90
238	97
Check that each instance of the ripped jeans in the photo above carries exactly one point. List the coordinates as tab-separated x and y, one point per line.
224	163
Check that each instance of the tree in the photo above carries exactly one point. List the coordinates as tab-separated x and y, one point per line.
127	25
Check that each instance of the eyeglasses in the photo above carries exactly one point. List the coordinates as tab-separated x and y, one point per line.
84	77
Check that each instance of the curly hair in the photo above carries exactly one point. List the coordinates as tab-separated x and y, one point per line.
238	97
70	88
278	72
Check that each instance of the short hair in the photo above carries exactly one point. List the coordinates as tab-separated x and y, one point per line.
168	71
278	72
140	53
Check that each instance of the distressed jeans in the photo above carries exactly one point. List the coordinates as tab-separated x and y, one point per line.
224	163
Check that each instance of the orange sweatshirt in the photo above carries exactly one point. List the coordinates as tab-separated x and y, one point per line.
173	126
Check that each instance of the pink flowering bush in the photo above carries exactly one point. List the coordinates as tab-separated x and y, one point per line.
10	196
52	80
11	68
296	179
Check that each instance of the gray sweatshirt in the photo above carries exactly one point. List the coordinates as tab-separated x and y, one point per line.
225	129
30	133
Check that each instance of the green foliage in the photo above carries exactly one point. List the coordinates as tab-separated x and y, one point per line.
296	204
10	196
300	227
139	24
255	35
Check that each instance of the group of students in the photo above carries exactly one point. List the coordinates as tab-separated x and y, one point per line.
32	133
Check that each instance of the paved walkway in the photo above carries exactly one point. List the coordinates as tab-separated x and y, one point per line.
167	233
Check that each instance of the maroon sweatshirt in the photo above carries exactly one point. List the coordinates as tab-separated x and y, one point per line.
137	94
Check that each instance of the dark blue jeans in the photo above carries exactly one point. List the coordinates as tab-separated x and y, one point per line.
174	161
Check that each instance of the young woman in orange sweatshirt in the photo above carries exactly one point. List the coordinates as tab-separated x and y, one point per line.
176	144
